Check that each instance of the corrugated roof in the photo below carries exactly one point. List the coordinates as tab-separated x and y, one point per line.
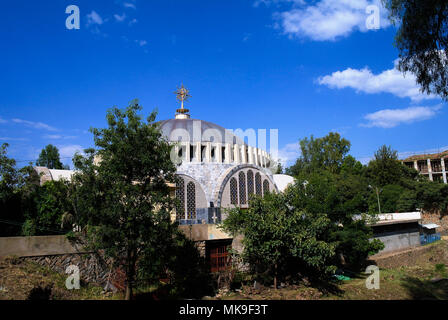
430	226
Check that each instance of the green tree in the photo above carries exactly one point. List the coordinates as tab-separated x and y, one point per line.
16	190
422	41
50	211
386	169
341	198
326	153
49	157
279	169
277	236
122	201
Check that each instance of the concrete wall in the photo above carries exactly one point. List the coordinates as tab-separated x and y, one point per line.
399	241
202	232
36	246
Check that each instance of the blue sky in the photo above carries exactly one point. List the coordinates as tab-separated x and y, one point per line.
302	67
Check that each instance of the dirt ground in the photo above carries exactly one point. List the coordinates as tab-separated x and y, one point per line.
20	280
413	274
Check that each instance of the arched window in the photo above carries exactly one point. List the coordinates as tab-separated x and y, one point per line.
191	201
180	195
265	186
258	184
242	185
233	191
250	183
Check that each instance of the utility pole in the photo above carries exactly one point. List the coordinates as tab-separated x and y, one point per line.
377	197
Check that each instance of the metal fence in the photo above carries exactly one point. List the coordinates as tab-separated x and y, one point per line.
429	238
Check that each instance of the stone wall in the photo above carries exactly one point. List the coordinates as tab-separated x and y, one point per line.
57	253
435	217
92	268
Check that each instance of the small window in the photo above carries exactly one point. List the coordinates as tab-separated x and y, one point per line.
180	195
233	192
250	183
258	184
242	185
265	187
191	201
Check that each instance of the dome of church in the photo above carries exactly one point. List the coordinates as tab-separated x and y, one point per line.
194	130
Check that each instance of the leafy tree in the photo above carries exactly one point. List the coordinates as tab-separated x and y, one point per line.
422	40
385	168
389	197
16	188
50	210
122	200
432	196
341	198
407	201
279	169
351	166
321	153
278	235
49	157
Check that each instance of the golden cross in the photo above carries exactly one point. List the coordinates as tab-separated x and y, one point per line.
182	94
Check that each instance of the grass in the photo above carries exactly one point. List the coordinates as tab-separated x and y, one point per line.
22	280
417	275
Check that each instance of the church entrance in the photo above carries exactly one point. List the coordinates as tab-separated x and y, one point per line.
217	253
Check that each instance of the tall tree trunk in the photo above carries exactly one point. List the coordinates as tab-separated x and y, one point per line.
128	291
275	276
130	274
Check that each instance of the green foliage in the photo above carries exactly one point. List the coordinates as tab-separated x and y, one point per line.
51	205
321	153
278	236
340	197
422	40
385	168
122	201
49	157
16	190
432	196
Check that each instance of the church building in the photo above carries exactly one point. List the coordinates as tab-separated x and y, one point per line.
217	170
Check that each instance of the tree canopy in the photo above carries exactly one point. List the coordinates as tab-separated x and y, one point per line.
327	153
49	157
422	41
121	195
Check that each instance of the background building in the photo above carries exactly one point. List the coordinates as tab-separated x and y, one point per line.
432	165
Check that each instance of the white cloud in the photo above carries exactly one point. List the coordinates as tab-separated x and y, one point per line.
57	137
269	2
129	5
94	18
133	21
141	43
35	125
13	139
329	20
120	18
389	118
289	154
68	151
364	80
